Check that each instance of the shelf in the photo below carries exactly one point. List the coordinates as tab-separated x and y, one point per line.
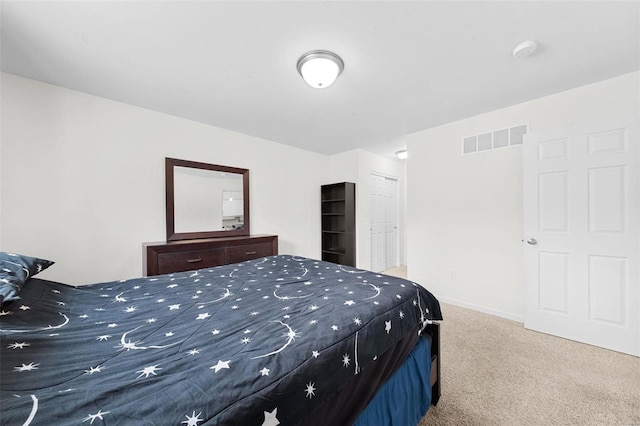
338	223
334	251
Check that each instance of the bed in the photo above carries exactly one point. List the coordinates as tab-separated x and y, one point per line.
278	340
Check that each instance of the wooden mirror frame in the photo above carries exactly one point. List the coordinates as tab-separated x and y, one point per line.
170	164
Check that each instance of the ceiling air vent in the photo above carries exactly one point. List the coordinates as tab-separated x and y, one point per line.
502	138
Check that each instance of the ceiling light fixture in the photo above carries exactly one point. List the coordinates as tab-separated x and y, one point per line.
402	154
320	68
524	49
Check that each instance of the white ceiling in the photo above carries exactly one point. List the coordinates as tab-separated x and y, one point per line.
232	64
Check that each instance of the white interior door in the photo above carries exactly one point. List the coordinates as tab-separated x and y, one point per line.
582	234
377	223
391	223
384	223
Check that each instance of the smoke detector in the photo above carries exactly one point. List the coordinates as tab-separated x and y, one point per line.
524	49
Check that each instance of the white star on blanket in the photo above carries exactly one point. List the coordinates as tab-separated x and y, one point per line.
220	365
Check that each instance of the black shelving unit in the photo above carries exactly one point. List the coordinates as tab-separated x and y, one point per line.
339	223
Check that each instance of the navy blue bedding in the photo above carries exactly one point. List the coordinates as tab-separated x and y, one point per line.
261	342
410	384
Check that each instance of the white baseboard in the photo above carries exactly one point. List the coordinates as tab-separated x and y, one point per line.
485	310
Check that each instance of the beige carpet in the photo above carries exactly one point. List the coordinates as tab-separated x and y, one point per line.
494	372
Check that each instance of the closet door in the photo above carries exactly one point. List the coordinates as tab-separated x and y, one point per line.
391	223
378	261
384	222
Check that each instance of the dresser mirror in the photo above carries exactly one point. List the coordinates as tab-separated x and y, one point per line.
205	200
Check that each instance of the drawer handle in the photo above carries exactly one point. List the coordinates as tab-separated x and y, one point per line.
196	260
251	252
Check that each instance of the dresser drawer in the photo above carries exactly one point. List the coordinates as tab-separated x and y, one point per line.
187	260
187	255
248	252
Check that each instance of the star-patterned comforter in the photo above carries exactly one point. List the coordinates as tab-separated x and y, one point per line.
261	342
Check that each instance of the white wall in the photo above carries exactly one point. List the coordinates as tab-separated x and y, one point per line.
464	213
82	180
356	166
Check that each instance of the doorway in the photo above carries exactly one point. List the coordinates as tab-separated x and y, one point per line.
384	222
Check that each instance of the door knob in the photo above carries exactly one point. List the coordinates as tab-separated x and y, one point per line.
532	241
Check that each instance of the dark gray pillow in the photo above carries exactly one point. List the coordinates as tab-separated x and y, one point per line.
15	271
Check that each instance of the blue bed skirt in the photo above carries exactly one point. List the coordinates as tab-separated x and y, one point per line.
405	398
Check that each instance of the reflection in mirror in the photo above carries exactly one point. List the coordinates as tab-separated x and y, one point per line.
206	200
232	215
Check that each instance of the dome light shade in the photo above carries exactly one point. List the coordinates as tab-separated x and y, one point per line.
320	68
402	154
524	49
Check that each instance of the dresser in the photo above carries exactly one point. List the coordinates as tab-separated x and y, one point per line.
185	255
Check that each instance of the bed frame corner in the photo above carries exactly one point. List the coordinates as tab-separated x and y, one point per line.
434	330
